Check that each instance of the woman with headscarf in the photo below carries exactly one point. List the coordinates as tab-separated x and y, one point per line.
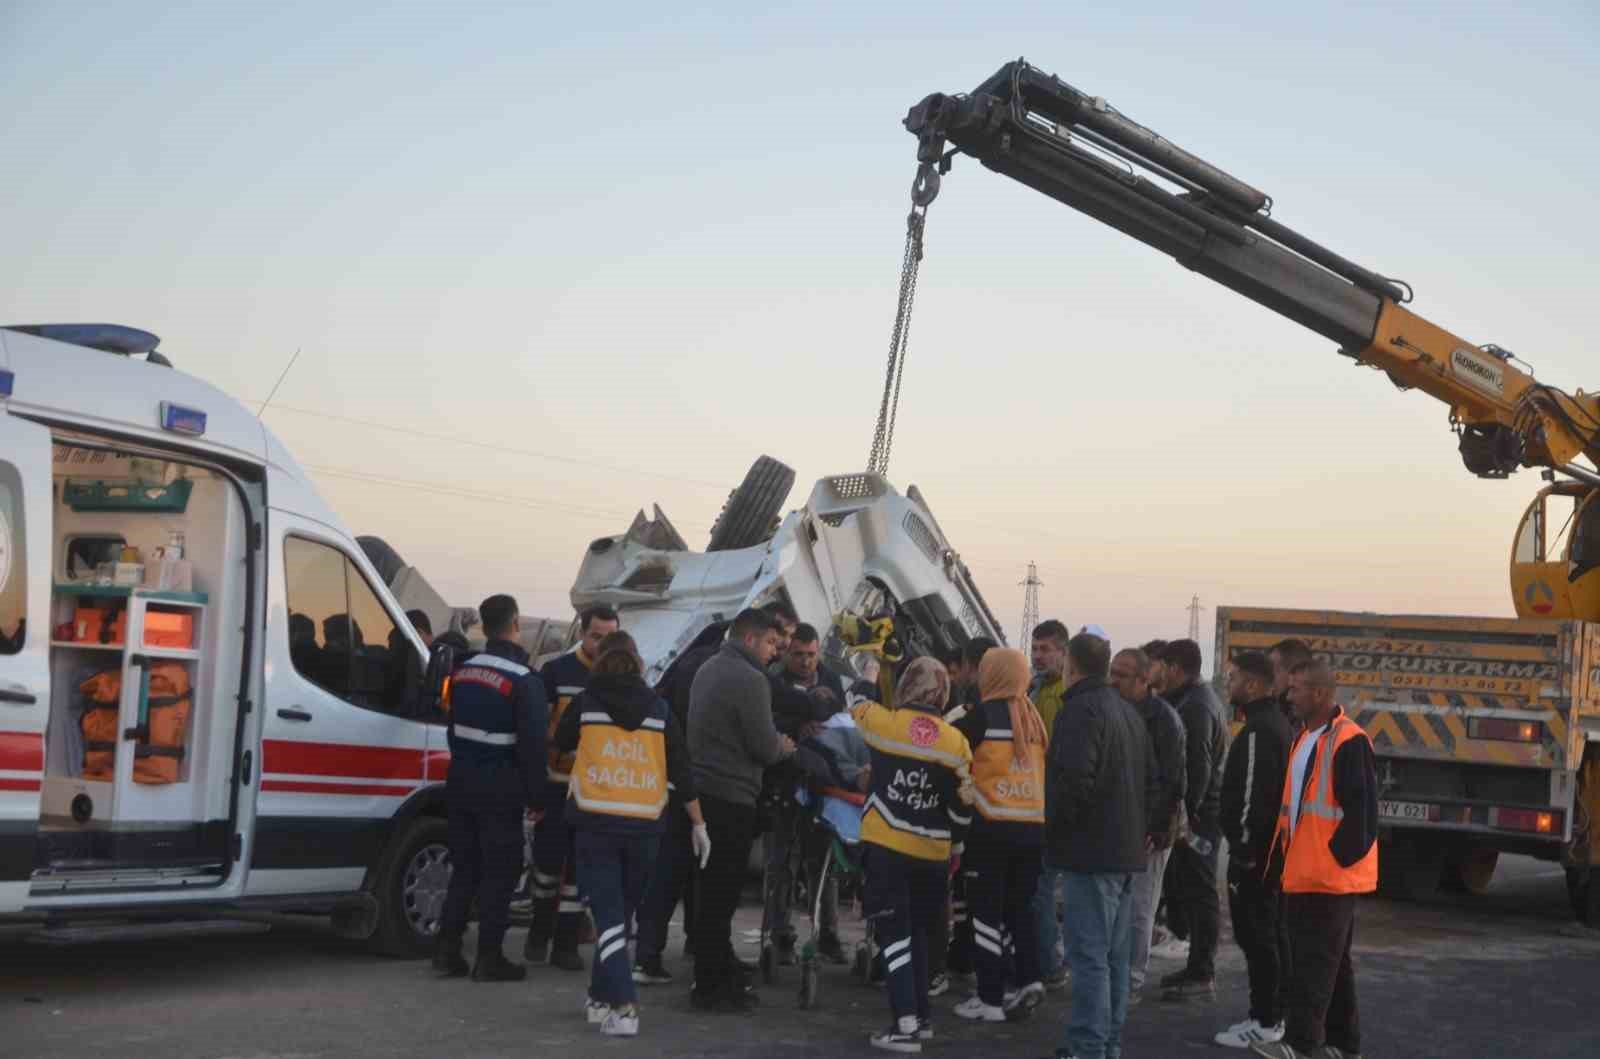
916	809
1002	855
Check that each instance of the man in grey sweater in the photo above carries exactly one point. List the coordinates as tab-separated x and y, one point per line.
732	740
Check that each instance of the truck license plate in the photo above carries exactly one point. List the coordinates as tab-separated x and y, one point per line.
1408	811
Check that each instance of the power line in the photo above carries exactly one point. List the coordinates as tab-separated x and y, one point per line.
492	446
613	517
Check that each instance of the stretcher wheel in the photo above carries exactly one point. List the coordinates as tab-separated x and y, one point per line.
808	985
766	964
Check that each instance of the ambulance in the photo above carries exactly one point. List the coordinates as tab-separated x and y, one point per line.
210	702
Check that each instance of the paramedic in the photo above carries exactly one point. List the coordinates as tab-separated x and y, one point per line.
630	752
917	810
557	915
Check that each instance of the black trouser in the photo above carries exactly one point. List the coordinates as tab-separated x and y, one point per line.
486	859
1322	988
1258	928
939	933
671	880
959	958
1000	892
904	898
1196	882
732	828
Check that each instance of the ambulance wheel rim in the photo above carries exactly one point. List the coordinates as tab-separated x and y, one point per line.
423	887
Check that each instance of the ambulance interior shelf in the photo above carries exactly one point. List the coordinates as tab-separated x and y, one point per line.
96	711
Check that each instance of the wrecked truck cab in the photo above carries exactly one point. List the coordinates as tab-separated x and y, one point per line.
857	544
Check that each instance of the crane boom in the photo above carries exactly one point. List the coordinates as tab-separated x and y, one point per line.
1079	150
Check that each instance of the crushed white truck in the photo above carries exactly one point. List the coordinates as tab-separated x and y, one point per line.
856	545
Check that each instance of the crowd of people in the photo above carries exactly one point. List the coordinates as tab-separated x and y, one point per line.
1026	822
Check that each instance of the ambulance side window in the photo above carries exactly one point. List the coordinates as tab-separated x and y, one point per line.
13	569
340	637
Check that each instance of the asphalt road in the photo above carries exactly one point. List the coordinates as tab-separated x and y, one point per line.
1502	975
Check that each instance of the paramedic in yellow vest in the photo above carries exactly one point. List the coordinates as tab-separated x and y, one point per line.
916	812
628	752
557	913
1003	849
1327	838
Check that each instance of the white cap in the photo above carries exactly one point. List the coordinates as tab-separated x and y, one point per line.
1095	630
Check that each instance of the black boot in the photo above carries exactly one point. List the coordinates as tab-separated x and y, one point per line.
492	966
447	959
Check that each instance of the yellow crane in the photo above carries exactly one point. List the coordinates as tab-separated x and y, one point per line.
1077	148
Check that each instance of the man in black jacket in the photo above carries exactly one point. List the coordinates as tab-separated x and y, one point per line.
1130	674
1194	857
1252	791
1101	806
497	767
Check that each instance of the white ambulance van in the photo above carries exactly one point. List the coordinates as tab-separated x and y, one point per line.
210	704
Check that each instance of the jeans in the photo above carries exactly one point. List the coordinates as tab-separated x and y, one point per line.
732	827
1000	891
1146	895
1099	934
613	871
1322	987
1196	880
1258	928
670	882
1047	926
904	896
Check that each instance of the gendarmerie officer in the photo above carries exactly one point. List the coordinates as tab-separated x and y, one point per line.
498	715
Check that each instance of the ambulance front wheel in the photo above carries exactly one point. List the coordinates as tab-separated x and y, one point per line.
411	882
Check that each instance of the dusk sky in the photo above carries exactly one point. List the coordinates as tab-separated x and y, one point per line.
547	264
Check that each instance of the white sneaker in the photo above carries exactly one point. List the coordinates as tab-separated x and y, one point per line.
1249	1033
1171	949
621	1022
1020	1003
973	1009
938	985
925	1030
596	1012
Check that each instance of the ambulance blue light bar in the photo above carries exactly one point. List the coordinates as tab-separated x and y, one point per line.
8	382
181	420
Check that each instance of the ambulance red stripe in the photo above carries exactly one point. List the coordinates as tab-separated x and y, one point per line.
340	759
21	752
308	787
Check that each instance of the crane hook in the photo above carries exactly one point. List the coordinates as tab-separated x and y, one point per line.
925	188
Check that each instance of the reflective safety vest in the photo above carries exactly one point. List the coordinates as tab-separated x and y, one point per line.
1009	778
618	772
1309	865
913	807
565	678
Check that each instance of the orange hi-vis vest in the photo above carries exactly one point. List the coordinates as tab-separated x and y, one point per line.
1309	866
618	772
1009	778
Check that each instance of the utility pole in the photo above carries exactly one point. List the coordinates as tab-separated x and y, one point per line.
1030	605
1194	608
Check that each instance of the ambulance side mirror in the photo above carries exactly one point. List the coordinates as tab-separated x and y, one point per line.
441	663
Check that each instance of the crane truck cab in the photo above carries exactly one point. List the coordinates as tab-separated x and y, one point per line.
209	699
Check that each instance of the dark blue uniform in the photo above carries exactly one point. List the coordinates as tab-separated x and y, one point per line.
553	880
498	717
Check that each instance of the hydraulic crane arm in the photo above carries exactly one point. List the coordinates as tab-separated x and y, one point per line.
1035	128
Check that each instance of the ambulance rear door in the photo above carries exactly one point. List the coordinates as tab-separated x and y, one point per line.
24	641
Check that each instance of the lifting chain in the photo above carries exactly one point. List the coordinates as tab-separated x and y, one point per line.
923	191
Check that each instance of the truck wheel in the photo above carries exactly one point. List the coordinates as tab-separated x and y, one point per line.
411	883
1469	871
748	517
